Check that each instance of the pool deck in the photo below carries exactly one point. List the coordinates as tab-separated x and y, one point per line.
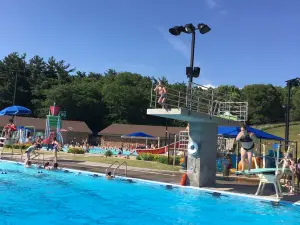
239	185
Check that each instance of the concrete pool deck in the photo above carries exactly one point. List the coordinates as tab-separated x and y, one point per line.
239	185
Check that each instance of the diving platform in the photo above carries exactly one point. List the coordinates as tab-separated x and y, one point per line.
199	104
184	114
204	109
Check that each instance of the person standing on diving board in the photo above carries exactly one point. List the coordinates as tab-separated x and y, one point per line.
247	141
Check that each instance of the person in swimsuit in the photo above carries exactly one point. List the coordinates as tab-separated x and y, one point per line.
162	91
28	152
9	129
247	141
55	148
109	176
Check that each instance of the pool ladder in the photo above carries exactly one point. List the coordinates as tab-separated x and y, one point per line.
116	170
39	160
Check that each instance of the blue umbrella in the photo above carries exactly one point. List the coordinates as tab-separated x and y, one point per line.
139	135
15	110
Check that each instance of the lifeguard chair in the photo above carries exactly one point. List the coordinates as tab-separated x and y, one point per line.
54	123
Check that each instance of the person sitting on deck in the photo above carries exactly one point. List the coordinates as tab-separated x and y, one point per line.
247	140
9	129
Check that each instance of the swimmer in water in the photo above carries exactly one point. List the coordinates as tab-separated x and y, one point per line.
109	176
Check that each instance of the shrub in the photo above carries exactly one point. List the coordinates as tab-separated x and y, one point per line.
177	160
147	156
7	146
25	146
108	153
162	159
16	146
158	158
76	151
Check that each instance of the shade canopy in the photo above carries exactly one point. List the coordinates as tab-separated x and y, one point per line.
232	132
15	110
138	135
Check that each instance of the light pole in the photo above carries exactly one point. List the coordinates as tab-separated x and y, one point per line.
290	84
191	71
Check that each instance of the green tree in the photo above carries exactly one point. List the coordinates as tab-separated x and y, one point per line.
265	104
81	100
13	72
127	97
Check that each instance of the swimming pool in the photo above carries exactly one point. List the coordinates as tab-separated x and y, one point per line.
55	197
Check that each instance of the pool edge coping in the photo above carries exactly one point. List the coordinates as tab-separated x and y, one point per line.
210	190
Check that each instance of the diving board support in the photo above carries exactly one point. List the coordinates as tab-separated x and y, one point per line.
203	132
201	166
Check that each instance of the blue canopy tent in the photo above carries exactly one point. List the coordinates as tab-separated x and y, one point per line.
140	135
232	132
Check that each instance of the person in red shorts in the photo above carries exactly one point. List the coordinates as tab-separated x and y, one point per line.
9	129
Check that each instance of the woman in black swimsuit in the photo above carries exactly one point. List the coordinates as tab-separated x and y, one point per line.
247	140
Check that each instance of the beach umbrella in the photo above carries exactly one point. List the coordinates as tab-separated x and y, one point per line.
15	110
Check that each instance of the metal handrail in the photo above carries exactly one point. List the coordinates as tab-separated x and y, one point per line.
38	154
204	100
117	168
111	166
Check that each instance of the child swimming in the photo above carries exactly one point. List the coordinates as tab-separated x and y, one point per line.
109	176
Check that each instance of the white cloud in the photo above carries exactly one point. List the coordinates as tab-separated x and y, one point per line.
209	86
206	86
211	3
178	44
223	12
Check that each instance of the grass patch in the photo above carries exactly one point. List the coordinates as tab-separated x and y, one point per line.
294	133
130	162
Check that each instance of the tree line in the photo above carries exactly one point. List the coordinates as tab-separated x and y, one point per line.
101	99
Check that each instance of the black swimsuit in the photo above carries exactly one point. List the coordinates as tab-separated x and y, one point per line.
247	140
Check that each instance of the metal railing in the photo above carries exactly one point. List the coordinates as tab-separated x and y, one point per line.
183	140
37	155
202	99
117	169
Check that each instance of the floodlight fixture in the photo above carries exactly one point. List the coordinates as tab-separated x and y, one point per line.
176	30
203	28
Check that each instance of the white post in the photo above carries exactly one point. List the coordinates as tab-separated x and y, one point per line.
277	158
158	142
264	155
174	152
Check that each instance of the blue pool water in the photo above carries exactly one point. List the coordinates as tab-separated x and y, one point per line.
97	150
55	197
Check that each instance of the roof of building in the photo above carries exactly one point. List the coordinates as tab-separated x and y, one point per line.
123	129
40	123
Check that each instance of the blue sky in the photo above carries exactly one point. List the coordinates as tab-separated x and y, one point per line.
255	41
